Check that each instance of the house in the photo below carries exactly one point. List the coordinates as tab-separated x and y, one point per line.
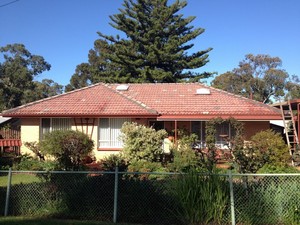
9	135
100	110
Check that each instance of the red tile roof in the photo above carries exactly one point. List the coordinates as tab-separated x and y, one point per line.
165	101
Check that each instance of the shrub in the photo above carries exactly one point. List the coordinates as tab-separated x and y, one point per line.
109	163
185	157
141	143
68	147
146	167
270	147
273	168
265	147
27	162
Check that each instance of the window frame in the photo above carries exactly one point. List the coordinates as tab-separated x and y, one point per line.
50	126
111	131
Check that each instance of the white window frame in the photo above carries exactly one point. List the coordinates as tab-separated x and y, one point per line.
109	131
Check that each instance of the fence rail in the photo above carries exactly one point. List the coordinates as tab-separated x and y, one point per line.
152	198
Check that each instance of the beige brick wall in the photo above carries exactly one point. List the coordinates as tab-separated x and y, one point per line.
29	132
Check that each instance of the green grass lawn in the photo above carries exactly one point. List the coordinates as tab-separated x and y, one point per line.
18	179
35	221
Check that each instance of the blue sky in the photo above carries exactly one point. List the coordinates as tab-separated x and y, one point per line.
63	31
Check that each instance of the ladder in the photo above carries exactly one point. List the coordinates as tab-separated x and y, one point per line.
290	130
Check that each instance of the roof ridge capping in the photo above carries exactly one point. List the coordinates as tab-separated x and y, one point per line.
122	89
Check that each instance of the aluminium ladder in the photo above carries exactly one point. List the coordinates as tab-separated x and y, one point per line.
290	130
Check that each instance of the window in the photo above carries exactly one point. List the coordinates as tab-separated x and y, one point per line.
157	125
222	132
51	124
198	128
110	131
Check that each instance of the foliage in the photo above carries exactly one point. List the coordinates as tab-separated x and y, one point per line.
184	160
201	199
257	76
272	146
277	168
17	72
155	46
49	221
109	163
82	76
293	88
35	148
146	167
235	143
185	157
141	143
68	147
265	147
27	162
46	88
276	196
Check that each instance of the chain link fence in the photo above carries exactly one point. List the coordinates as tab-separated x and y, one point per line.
152	198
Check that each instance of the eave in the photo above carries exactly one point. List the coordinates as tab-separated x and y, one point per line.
209	117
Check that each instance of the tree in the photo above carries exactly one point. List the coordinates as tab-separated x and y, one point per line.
81	78
17	72
293	88
257	76
156	48
68	147
47	88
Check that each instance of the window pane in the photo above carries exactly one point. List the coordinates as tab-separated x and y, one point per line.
45	127
61	124
116	125
198	127
110	131
223	131
157	125
104	132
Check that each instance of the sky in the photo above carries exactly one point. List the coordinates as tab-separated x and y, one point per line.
63	31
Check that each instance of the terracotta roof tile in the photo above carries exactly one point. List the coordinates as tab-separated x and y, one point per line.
176	100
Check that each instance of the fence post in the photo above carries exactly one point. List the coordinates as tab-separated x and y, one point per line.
116	194
7	192
231	198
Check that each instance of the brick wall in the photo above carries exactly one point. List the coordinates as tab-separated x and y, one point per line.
252	127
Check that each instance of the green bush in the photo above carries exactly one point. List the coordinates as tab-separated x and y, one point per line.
28	162
68	147
184	160
273	168
109	163
146	167
270	148
141	143
265	147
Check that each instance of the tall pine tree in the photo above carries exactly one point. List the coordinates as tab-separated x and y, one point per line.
155	46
